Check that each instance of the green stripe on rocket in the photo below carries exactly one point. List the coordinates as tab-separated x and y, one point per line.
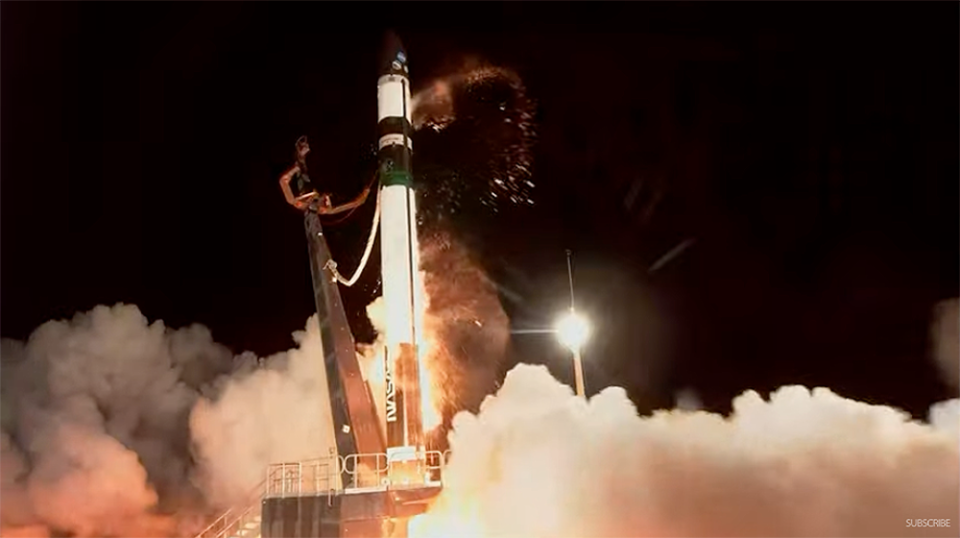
391	175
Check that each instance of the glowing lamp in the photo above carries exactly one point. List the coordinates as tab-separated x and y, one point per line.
572	330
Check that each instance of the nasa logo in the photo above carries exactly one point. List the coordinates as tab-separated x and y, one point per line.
391	398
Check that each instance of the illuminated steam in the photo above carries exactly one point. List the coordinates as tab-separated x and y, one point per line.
114	426
538	461
96	416
279	412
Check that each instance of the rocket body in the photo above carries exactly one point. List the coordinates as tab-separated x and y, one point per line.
400	259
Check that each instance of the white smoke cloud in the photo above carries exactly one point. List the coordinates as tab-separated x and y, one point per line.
943	416
538	461
115	426
371	359
17	510
90	483
95	405
279	413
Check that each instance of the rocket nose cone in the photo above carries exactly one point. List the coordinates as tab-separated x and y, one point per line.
393	57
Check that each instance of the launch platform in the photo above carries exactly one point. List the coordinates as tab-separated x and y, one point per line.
346	497
335	497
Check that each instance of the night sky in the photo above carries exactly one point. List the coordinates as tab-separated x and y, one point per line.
809	150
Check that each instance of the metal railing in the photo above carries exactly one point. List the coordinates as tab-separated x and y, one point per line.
354	472
235	517
234	523
296	478
331	475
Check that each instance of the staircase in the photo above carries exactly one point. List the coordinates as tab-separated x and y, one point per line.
248	528
240	522
324	477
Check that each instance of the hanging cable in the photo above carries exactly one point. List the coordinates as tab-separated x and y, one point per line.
332	265
349	213
340	220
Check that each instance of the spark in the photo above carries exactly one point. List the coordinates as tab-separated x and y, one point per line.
505	131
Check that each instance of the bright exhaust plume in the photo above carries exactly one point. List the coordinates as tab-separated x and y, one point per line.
113	425
537	461
572	330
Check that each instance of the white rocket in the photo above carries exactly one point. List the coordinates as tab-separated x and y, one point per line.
400	259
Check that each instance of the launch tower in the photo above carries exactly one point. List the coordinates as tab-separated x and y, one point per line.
375	482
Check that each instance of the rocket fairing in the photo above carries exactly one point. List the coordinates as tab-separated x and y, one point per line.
400	258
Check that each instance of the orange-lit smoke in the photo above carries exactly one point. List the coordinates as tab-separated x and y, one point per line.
95	439
114	425
539	461
371	358
465	334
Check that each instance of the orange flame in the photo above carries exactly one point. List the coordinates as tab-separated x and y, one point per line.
444	520
372	357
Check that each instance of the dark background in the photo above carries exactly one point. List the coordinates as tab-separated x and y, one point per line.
809	149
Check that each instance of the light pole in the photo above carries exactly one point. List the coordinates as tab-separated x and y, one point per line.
573	330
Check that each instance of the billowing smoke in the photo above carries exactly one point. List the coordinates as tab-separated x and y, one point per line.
279	413
95	422
466	334
946	340
465	325
114	426
538	461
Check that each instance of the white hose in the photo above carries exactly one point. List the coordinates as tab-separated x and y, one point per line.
332	265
